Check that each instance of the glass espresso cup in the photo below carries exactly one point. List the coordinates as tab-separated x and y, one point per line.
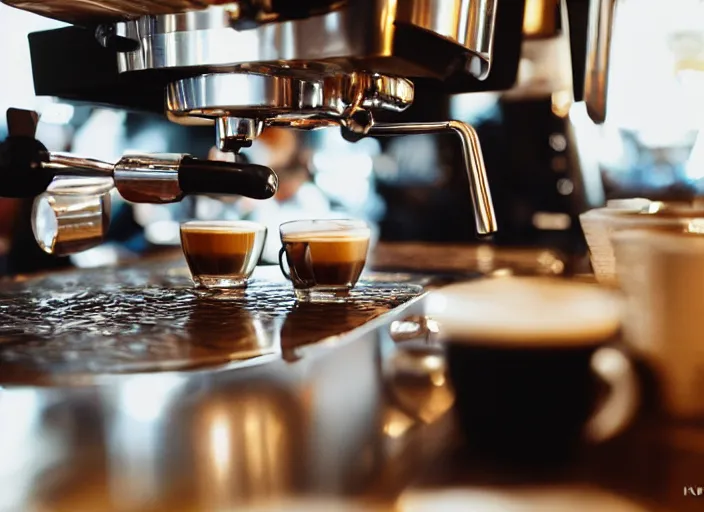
325	257
222	254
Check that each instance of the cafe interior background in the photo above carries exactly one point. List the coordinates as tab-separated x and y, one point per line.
547	163
413	188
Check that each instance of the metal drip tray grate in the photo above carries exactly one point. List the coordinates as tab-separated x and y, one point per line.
149	318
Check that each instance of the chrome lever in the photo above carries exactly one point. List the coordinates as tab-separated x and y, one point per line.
140	179
166	178
68	165
485	217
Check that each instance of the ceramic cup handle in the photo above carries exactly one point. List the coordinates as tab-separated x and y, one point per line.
619	408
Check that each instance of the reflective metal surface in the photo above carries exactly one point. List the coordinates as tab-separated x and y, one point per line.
466	260
152	318
166	178
234	132
484	215
419	383
601	19
72	216
77	11
540	19
467	22
212	42
281	400
149	178
278	98
361	30
65	164
333	65
329	66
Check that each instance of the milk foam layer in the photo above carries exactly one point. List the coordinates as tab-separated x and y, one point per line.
240	226
525	311
327	236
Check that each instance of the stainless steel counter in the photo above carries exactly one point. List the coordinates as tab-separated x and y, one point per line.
125	390
161	399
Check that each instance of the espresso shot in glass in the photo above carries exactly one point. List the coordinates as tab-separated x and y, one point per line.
324	257
222	254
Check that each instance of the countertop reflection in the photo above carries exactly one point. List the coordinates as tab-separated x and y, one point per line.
125	390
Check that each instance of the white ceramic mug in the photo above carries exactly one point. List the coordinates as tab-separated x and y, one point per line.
600	224
662	275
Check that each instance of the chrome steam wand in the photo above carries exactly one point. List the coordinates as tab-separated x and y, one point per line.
485	217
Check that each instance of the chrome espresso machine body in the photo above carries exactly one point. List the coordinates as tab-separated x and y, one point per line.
123	389
245	65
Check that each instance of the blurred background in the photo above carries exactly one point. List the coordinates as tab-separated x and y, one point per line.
546	161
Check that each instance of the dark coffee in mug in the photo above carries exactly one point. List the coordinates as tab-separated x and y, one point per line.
325	259
520	354
222	254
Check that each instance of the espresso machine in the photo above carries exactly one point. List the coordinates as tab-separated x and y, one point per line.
246	65
243	66
123	388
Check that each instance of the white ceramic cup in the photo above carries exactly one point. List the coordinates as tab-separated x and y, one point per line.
600	224
662	275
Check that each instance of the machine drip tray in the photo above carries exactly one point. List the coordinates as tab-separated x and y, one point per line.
125	390
67	326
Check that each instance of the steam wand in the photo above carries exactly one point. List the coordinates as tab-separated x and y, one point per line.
485	217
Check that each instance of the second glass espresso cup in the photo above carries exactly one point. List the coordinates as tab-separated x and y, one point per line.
222	254
325	257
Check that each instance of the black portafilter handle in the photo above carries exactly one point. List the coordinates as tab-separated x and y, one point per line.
27	169
168	178
214	177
